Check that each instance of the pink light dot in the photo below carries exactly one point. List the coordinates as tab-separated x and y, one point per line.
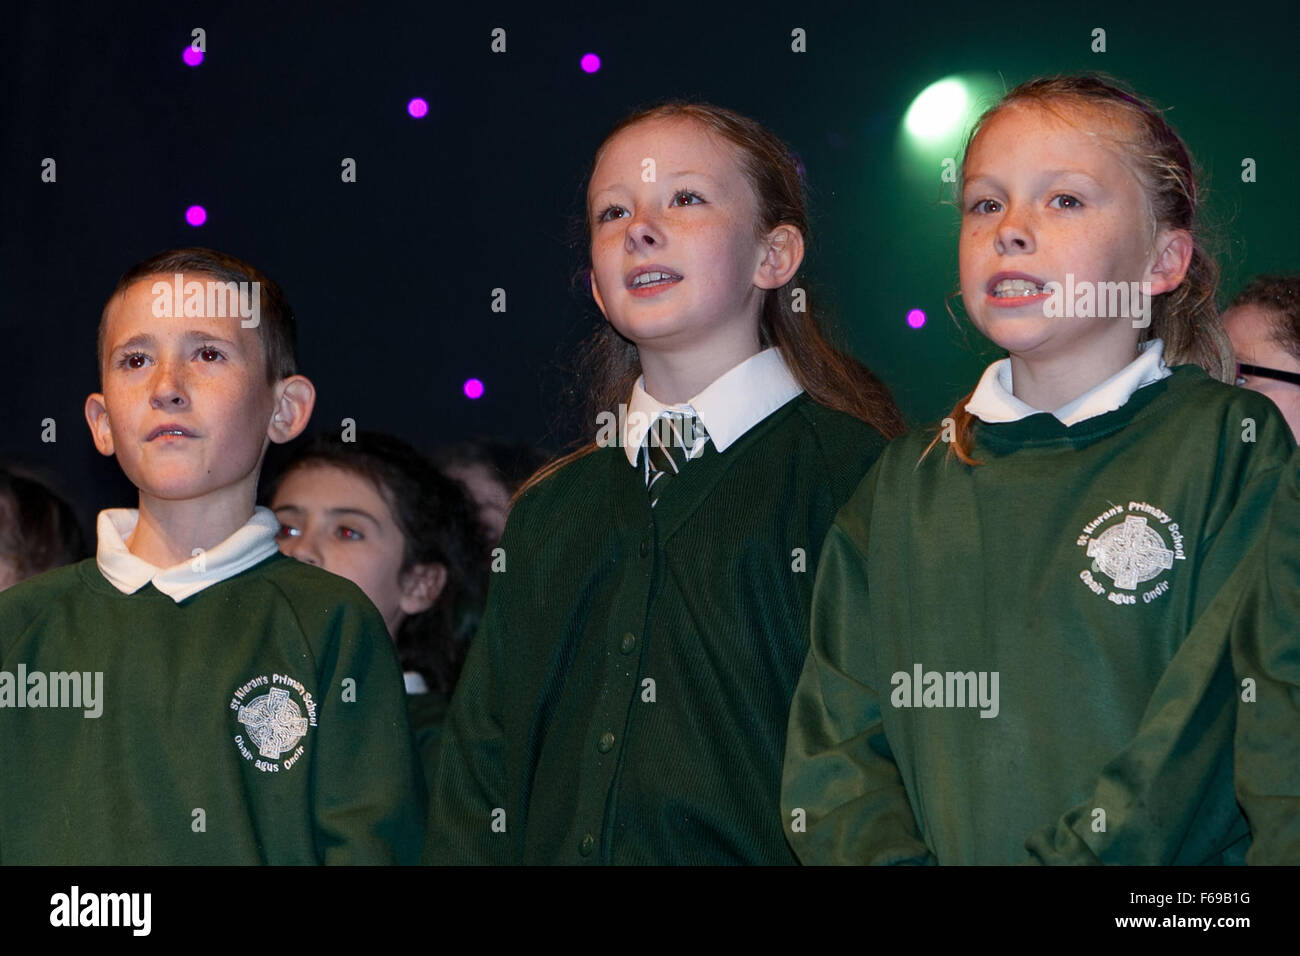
196	215
590	63
473	388
192	57
916	318
417	108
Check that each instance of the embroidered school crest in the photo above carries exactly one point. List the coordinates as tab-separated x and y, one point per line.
274	723
1132	546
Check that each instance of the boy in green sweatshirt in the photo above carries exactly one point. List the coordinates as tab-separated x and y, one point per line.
190	695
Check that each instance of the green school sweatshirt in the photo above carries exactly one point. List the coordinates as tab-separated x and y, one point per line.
261	720
625	699
1266	653
1006	663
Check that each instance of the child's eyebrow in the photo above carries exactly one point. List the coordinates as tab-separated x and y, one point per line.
1047	174
341	512
199	334
139	340
146	340
332	512
621	187
692	172
607	188
1077	173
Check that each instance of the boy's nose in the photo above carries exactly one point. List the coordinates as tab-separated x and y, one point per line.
167	388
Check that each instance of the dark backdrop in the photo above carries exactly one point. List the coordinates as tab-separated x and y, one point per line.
391	277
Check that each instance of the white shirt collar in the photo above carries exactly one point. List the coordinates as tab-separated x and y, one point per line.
993	401
734	403
251	544
415	682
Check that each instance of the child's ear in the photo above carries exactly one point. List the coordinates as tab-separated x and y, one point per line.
101	430
295	397
421	586
1172	258
595	292
782	256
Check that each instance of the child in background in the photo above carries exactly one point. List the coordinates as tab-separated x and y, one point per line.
1017	648
191	695
626	697
1264	325
39	531
1266	659
376	512
491	472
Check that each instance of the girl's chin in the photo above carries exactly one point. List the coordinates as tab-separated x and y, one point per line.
1018	334
646	330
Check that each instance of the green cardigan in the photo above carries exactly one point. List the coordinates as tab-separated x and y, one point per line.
1085	570
626	697
261	720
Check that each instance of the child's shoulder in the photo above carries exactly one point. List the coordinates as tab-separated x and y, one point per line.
837	429
324	605
909	449
899	459
846	446
43	589
25	602
573	479
1191	383
321	600
1240	418
1208	413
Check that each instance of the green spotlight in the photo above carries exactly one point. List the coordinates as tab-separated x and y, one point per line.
939	112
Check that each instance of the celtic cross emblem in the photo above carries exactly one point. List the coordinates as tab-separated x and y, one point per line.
1130	553
274	722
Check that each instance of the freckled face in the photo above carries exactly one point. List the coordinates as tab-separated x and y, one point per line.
675	259
1042	198
187	398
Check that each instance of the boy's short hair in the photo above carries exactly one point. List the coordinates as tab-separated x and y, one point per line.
1279	294
276	325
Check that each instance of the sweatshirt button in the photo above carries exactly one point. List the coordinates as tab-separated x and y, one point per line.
628	644
587	845
606	742
645	547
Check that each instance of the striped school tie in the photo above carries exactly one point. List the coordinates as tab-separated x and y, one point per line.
674	439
